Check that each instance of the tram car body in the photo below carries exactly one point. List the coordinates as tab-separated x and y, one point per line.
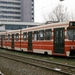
2	40
53	39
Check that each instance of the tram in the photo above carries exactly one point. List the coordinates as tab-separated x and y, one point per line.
54	39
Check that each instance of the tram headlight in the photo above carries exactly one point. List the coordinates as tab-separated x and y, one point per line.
72	47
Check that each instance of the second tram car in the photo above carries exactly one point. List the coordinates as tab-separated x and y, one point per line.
53	39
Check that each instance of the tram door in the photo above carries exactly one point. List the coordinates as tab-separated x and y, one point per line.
59	40
29	40
1	40
12	43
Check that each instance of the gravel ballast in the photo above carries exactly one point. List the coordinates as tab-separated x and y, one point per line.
11	67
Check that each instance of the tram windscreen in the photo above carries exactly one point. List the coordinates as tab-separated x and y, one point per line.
72	23
71	34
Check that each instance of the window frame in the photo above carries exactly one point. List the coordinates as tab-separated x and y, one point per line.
3	37
25	33
8	36
40	35
72	37
48	35
35	38
17	36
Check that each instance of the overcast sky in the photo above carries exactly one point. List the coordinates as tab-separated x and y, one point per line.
45	6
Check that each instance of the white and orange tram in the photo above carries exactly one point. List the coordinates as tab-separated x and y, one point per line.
53	39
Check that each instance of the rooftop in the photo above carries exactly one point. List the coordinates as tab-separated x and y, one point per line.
19	23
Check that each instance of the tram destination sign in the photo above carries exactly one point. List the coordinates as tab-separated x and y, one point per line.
72	23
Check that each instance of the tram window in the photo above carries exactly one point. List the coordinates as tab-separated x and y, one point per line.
17	37
48	34
25	36
41	35
72	23
35	35
8	36
74	34
71	34
3	36
0	37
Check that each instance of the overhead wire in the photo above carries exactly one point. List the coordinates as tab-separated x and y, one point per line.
46	6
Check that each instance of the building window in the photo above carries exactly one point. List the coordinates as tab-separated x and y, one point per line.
32	4
32	13
32	18
32	9
32	0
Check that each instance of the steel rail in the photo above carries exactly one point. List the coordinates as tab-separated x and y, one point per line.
40	63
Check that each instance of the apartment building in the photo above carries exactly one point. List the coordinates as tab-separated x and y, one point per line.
17	10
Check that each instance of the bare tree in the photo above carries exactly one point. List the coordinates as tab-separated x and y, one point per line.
72	16
59	14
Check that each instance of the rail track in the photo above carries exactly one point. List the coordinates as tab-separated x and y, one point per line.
57	67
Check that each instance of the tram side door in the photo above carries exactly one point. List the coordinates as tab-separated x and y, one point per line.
29	40
1	40
59	40
12	42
